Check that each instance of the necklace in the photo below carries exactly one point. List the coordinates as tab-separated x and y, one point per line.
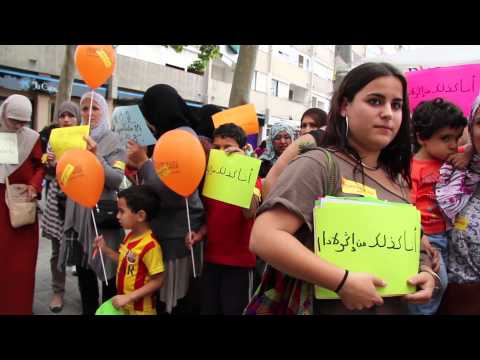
373	168
369	167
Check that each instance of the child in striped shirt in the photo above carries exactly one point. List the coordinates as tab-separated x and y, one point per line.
140	271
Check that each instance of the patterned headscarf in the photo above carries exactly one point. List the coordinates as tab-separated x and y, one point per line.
455	187
102	126
269	153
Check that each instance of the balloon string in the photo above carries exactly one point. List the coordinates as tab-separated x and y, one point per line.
190	236
90	111
101	255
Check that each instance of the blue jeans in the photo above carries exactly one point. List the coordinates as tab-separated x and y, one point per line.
440	242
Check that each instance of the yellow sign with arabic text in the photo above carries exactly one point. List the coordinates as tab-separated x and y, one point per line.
369	235
231	178
66	138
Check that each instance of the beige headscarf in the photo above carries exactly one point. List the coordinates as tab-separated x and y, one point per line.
17	107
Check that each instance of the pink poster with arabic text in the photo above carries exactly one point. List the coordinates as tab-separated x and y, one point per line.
457	84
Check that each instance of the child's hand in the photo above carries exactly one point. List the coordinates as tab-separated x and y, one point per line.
196	236
426	283
120	301
434	253
51	158
436	260
460	160
99	243
233	149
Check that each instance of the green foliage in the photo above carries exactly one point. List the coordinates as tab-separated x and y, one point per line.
177	48
207	52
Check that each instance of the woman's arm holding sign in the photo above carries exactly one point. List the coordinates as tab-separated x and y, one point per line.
273	241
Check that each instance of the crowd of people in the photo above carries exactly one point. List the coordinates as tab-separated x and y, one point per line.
258	260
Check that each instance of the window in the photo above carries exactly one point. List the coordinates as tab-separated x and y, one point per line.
274	88
283	90
300	61
314	102
254	81
290	94
279	89
308	64
259	82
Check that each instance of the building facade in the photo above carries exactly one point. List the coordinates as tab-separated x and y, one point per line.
288	79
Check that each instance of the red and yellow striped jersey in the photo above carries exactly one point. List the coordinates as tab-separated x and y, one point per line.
139	258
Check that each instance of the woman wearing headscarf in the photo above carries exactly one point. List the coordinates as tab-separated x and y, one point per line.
206	127
68	114
19	246
165	110
281	135
458	195
79	232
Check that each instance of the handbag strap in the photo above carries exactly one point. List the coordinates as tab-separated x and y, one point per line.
7	190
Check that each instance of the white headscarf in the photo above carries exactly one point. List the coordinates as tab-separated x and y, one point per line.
17	107
102	126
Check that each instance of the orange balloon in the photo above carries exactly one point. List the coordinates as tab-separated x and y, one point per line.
179	161
95	63
81	176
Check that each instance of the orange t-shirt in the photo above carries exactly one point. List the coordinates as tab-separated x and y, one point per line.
425	174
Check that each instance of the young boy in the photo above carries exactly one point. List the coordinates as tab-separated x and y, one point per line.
140	269
437	125
227	277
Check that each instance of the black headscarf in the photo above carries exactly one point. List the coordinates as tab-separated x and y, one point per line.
204	115
165	109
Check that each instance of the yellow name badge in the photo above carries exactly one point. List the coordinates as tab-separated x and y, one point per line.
119	165
352	187
461	223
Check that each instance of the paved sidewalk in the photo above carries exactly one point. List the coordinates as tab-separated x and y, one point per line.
43	289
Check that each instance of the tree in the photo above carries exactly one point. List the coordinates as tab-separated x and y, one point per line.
343	62
67	75
243	75
242	78
207	53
